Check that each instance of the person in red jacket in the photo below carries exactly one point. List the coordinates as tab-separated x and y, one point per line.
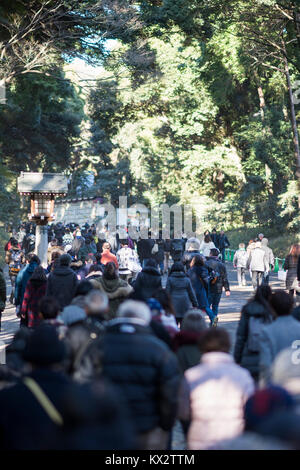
107	256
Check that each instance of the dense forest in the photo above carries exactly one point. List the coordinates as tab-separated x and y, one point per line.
197	102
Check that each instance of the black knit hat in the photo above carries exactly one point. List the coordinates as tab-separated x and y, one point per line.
43	347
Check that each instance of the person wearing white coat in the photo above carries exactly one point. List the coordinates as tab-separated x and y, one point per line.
206	246
213	394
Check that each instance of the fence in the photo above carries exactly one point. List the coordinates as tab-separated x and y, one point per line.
279	262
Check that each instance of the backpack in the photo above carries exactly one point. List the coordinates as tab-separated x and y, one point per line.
254	329
213	275
15	263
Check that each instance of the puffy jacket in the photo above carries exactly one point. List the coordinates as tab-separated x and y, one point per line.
116	290
242	355
145	370
21	282
206	247
147	283
212	397
62	284
182	293
144	248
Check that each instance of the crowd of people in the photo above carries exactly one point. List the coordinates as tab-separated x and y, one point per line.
118	341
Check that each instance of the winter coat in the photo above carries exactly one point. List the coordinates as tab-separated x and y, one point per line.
182	293
146	372
200	281
206	247
24	424
185	345
35	290
274	338
127	260
269	252
108	257
223	242
290	265
144	248
62	284
242	354
2	291
222	281
160	255
212	397
257	260
177	247
147	283
9	258
240	258
21	282
117	290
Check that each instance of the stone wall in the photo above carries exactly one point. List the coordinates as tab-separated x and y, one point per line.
78	211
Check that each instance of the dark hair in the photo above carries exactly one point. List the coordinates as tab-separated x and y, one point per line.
33	258
214	339
65	260
165	300
39	274
110	271
197	260
95	268
263	296
193	321
14	242
83	288
177	267
124	241
151	263
98	257
48	307
282	303
214	252
207	238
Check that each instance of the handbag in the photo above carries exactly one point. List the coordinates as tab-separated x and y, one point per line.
282	275
295	285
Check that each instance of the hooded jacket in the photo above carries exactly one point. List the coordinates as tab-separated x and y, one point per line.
62	284
147	283
117	290
21	282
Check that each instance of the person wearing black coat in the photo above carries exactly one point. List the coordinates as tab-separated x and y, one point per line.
148	281
180	288
144	249
159	256
146	372
62	282
258	308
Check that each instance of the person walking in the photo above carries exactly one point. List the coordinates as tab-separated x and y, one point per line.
146	372
269	257
280	334
176	251
107	256
22	278
62	282
255	314
213	393
220	282
223	243
2	294
148	281
199	275
34	292
116	289
206	245
15	259
192	248
240	263
128	261
180	288
290	265
258	265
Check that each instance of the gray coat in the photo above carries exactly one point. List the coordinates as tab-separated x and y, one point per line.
268	251
182	293
257	260
273	339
